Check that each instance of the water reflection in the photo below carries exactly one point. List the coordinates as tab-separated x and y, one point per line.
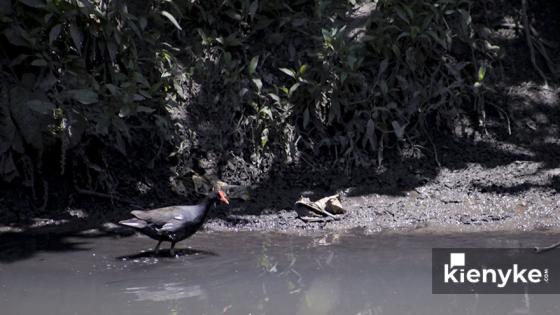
166	292
320	298
253	273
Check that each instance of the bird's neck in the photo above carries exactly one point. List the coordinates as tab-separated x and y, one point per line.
207	203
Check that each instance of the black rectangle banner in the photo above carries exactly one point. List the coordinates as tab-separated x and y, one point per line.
495	271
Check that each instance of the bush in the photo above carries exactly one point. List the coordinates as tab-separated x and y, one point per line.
79	77
261	82
310	78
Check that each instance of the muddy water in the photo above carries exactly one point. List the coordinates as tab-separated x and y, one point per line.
247	273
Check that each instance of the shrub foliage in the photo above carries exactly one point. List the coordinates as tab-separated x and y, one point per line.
249	80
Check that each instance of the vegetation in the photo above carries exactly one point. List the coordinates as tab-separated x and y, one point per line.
260	82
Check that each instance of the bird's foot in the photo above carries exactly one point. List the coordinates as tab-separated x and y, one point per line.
172	249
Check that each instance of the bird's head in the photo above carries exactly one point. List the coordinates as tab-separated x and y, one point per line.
220	196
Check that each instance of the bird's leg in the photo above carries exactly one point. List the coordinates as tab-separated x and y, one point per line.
172	249
156	250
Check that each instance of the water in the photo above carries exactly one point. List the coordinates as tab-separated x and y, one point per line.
247	273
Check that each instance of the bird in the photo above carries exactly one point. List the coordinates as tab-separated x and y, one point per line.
173	223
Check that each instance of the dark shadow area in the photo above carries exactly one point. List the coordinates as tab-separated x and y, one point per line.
20	246
15	246
520	188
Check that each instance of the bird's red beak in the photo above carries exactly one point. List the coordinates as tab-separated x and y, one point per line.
222	197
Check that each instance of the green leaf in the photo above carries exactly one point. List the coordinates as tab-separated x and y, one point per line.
266	111
234	15
15	35
172	19
383	86
306	117
293	88
77	36
34	3
253	65
54	33
398	129
40	106
383	66
84	96
275	97
264	137
402	15
229	41
143	22
289	72
253	8
303	69
144	109
39	63
481	73
258	83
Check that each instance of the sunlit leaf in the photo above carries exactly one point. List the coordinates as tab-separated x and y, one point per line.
293	88
264	137
258	83
266	111
481	73
275	97
172	19
289	72
253	65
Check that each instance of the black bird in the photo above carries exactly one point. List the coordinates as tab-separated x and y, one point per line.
174	223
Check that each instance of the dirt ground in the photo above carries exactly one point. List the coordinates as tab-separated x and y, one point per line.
487	180
485	183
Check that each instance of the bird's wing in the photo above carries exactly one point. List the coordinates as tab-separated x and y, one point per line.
134	223
175	225
162	216
157	216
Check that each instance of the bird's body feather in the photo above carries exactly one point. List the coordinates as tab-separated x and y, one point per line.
174	223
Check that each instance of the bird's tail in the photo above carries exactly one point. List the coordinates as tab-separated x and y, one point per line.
134	223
